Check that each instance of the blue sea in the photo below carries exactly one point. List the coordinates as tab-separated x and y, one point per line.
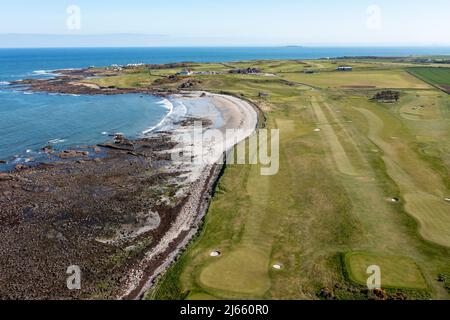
30	121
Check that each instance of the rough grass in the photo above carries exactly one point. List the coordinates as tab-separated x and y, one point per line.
396	271
125	81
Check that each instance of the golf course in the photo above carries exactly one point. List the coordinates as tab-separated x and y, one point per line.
364	179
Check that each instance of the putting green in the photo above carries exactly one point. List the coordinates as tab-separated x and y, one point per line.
396	272
245	271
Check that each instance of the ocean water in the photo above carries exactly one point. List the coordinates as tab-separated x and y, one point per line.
19	63
29	122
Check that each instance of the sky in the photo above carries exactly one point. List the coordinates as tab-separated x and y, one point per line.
226	22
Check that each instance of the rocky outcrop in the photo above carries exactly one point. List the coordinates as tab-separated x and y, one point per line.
70	154
100	214
6	177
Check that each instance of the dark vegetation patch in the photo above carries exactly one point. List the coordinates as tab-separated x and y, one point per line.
387	96
445	279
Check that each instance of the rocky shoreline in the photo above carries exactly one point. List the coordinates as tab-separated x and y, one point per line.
122	217
76	82
101	214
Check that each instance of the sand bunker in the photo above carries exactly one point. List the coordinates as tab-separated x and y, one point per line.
317	130
215	254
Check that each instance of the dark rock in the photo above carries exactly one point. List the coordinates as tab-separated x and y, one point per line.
6	177
20	167
27	213
377	294
326	293
34	188
47	149
120	139
399	296
188	84
68	154
7	193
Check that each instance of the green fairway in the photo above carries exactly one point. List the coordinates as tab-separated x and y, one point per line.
344	158
396	272
439	77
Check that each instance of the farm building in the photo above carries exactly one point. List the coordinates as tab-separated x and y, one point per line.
344	68
186	72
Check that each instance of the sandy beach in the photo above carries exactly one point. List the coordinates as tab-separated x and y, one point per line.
236	115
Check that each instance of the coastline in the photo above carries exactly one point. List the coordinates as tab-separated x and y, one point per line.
29	187
70	123
238	115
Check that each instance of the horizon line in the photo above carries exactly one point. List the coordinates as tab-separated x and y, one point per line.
363	45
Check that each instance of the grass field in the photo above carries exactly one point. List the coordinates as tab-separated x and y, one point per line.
125	81
396	272
376	79
333	193
439	77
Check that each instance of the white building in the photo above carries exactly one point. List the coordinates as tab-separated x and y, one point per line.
186	72
344	68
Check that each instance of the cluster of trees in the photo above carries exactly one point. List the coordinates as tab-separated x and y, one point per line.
388	95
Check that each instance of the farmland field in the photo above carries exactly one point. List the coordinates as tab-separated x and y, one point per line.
375	79
439	77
